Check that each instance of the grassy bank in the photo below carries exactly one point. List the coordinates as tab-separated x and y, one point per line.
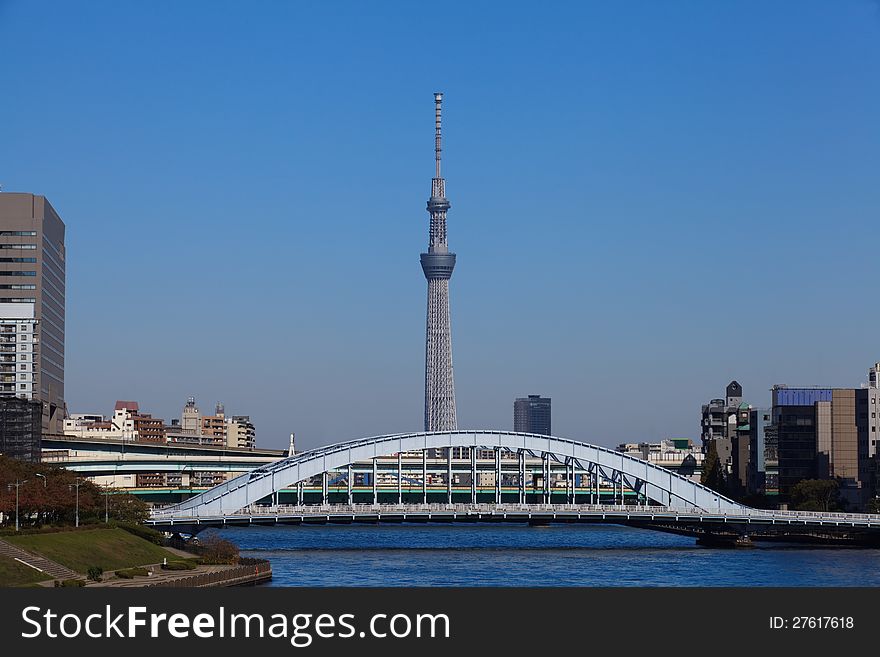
110	549
13	573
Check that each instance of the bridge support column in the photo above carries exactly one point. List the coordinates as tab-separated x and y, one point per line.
375	482
521	458
399	478
424	476
473	475
299	493
547	478
350	492
590	479
449	475
497	476
571	481
324	488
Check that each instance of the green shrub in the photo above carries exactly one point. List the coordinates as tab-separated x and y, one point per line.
94	573
75	583
146	533
178	565
128	573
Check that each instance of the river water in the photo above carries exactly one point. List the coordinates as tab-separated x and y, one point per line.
519	555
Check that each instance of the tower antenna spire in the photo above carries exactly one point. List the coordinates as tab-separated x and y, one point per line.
438	101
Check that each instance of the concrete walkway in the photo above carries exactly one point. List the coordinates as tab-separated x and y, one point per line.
44	565
158	575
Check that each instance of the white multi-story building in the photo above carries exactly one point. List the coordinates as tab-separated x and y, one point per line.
678	454
92	425
19	342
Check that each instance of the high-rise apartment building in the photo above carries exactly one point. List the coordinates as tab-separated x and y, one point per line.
240	432
214	426
32	275
532	415
872	412
740	439
19	340
763	465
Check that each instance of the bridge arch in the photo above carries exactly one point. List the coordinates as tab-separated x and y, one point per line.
656	483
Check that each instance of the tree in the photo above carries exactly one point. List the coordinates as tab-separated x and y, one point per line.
214	549
49	498
713	476
816	495
125	507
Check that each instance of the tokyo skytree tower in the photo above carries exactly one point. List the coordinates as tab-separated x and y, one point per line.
437	264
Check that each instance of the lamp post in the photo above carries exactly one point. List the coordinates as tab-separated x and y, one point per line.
43	477
70	487
106	504
18	484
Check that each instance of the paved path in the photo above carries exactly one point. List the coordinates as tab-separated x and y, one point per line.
158	575
50	568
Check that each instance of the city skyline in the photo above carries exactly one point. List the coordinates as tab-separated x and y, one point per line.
216	217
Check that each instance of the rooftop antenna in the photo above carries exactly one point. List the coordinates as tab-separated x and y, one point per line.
292	449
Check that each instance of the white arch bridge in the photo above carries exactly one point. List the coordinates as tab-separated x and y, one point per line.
664	500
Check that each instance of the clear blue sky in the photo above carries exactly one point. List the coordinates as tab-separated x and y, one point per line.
648	200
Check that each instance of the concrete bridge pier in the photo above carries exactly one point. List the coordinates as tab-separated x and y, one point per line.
726	540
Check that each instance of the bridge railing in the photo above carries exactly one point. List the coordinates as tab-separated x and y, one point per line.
169	513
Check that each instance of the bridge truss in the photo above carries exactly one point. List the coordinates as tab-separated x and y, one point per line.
575	461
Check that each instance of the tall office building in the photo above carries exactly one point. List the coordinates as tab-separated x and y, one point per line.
532	415
32	275
437	264
824	433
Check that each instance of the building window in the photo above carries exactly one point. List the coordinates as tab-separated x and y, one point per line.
22	367
22	386
18	233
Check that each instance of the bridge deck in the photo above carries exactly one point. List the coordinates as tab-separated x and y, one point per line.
691	521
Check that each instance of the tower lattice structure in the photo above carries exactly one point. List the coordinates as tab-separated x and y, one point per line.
437	264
